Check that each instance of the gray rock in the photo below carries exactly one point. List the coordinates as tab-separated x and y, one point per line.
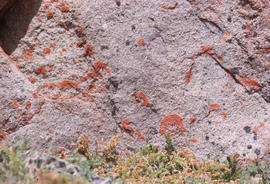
184	69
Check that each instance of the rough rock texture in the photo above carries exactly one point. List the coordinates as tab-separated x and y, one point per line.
138	69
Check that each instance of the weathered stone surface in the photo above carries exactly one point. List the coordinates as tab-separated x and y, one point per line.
196	69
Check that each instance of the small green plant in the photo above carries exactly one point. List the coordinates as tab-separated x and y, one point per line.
12	167
169	145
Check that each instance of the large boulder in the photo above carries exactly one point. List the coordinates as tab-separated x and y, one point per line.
198	70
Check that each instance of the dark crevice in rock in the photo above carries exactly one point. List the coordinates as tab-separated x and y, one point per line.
15	23
212	26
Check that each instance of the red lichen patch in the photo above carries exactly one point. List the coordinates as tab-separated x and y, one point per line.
192	120
125	126
49	15
140	136
258	127
28	105
194	140
252	84
173	121
40	70
46	6
88	50
15	104
80	31
65	9
50	68
35	94
188	75
27	55
4	122
50	131
98	66
51	86
53	44
206	50
220	58
192	58
74	76
224	115
265	49
68	84
81	43
32	80
46	50
2	135
140	95
168	7
141	42
214	107
226	33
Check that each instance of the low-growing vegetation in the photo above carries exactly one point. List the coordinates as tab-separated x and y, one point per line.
150	164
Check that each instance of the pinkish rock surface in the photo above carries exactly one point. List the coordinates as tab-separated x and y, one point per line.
196	69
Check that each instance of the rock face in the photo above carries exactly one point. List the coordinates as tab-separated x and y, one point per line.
4	6
198	70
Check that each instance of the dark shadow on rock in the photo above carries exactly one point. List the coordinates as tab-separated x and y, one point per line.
15	23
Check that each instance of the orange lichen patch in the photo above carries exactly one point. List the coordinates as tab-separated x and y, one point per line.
49	15
32	80
50	131
68	84
188	75
214	107
172	120
53	44
224	115
88	50
252	84
192	58
80	43
46	6
206	50
4	122
27	55
40	70
220	58
80	31
194	140
50	68
74	76
140	95
265	49
258	127
2	135
35	94
46	50
213	10
140	136
64	50
98	66
141	42
192	120
226	33
125	126
65	9
248	27
51	86
15	104
28	105
168	7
